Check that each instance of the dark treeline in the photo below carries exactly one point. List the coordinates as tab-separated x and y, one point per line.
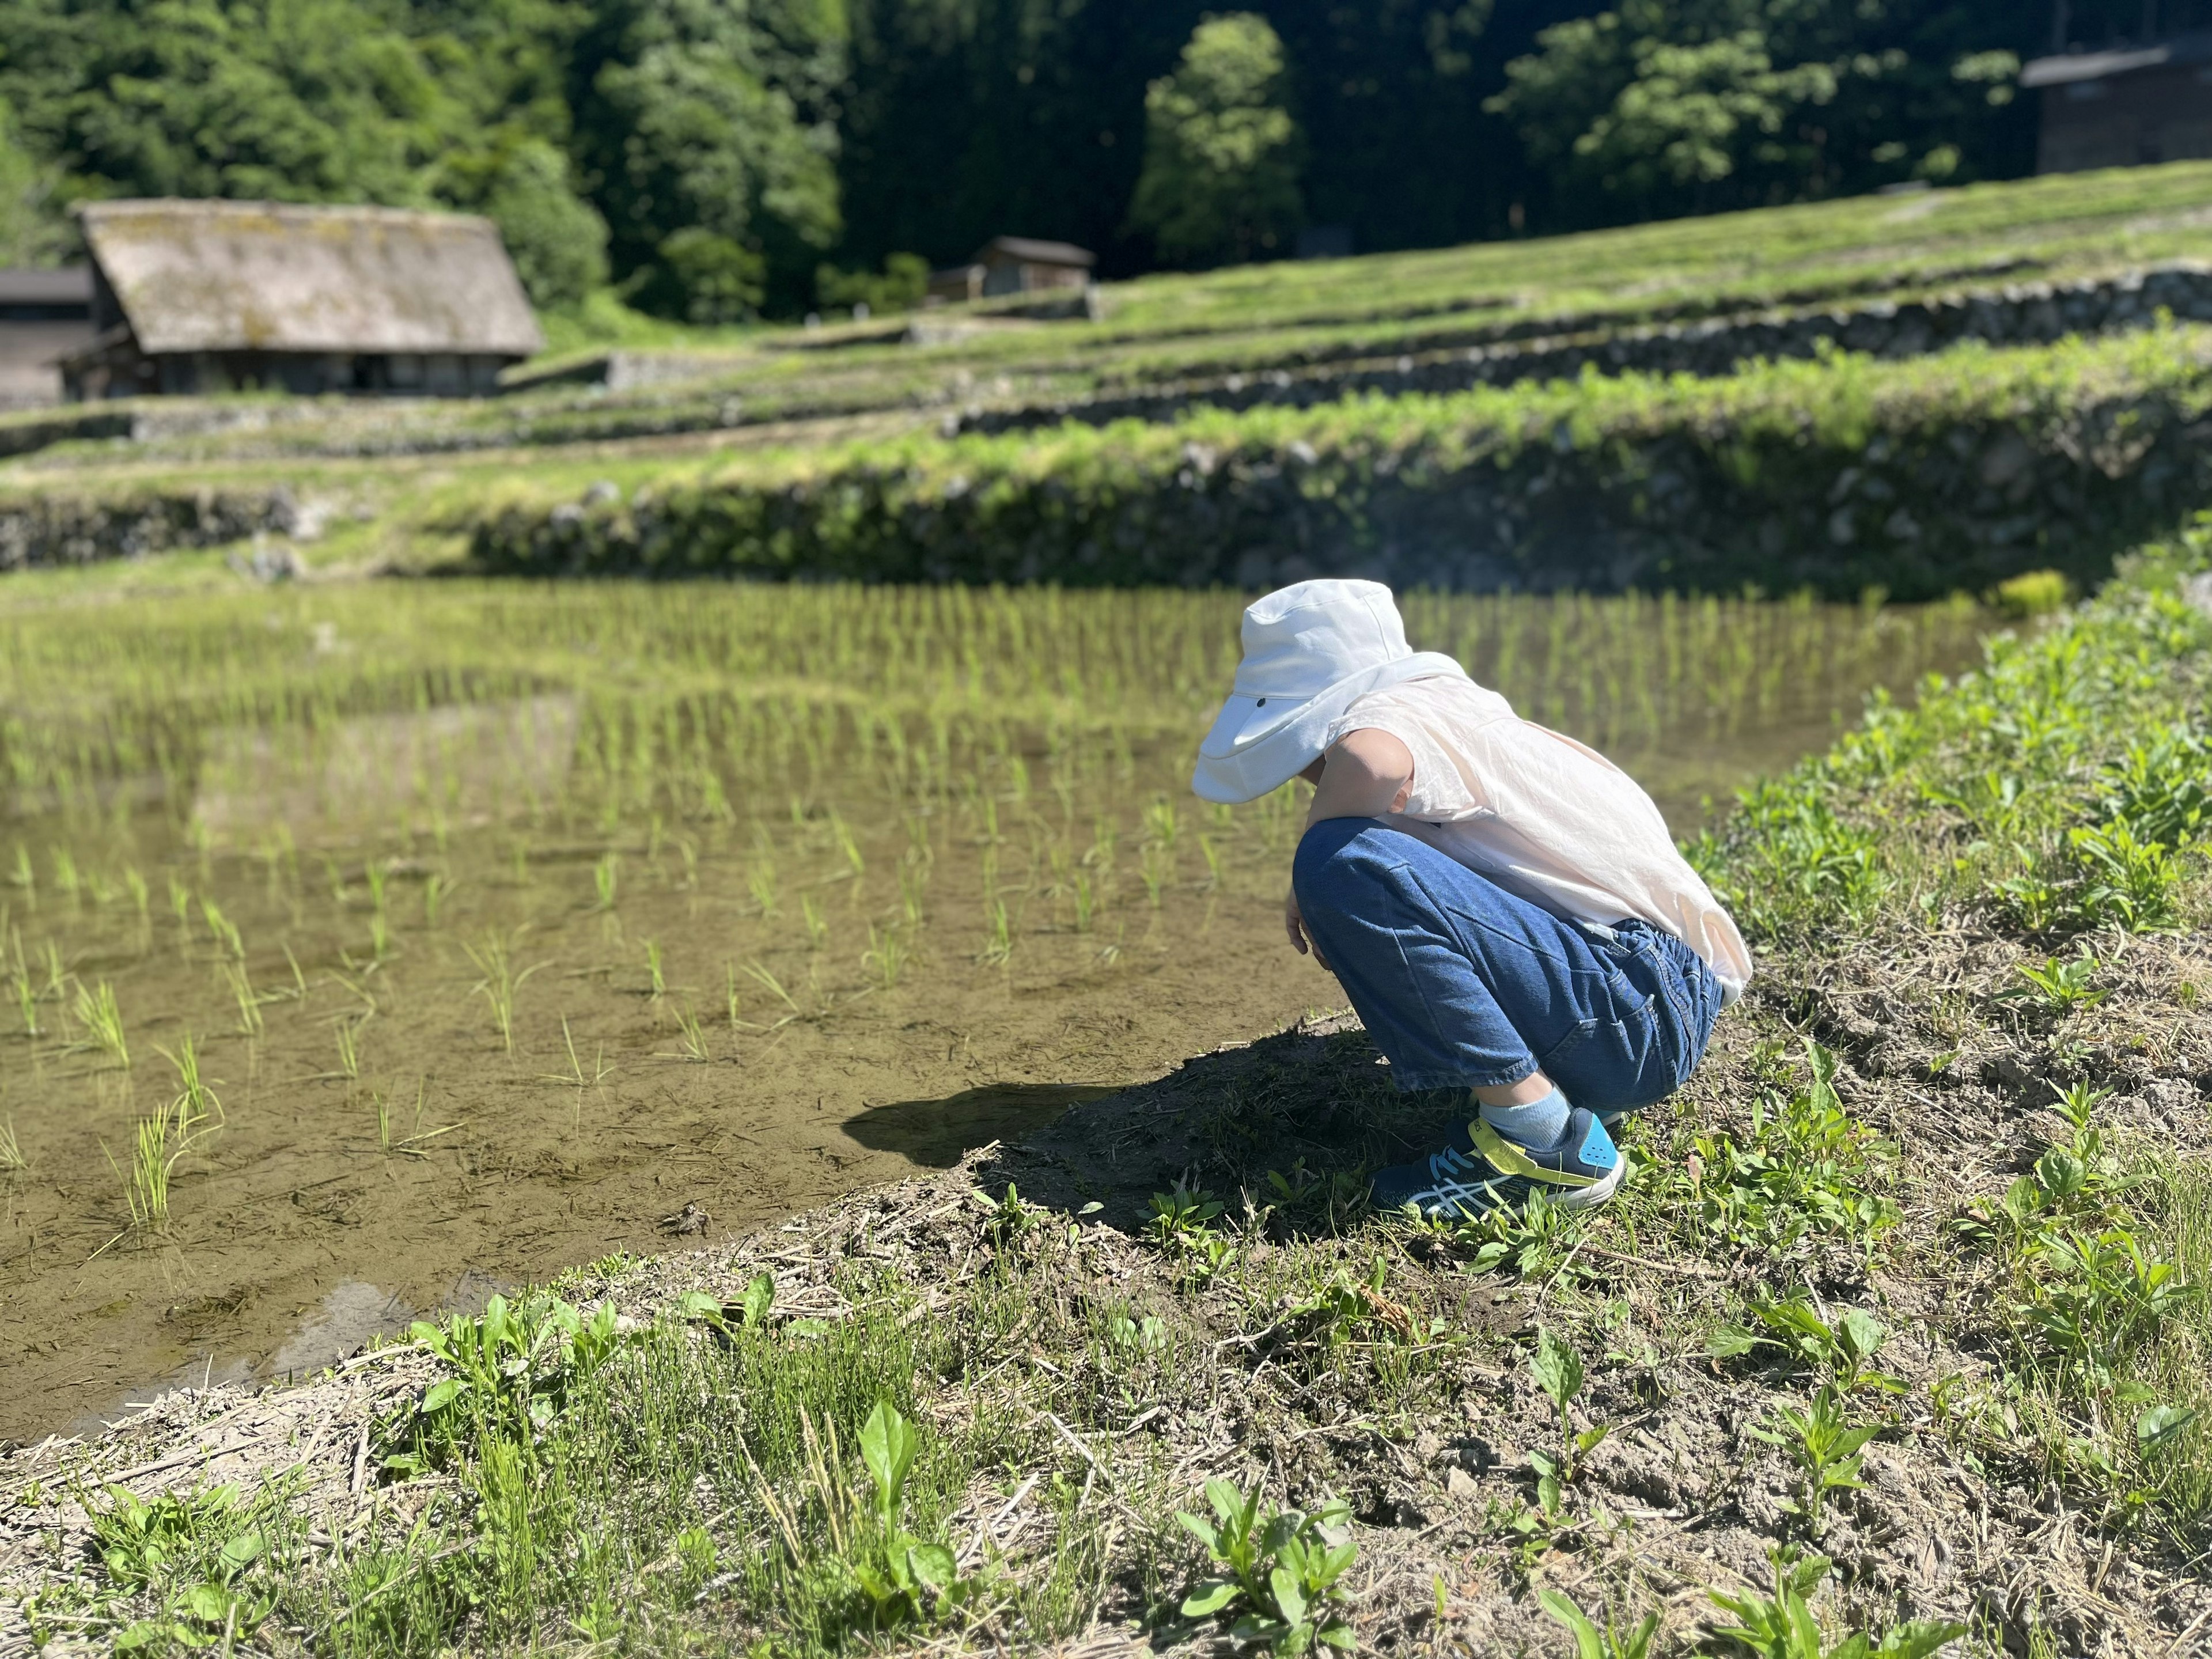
716	158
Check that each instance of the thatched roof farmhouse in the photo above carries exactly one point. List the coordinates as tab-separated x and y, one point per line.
206	297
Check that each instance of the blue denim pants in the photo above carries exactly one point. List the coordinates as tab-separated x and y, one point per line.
1460	984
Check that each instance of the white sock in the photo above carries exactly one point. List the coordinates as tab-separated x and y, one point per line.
1540	1126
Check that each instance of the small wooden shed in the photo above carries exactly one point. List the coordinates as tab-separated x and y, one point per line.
205	296
1014	264
44	316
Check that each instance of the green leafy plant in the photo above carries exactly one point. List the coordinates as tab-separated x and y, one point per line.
517	1360
2059	986
1824	1446
909	1579
1281	1570
1184	1215
1844	1348
1558	1371
196	1552
1591	1643
1782	1625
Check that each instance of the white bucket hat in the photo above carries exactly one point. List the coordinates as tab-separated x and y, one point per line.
1310	651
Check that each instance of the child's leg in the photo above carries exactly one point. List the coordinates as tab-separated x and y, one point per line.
1463	985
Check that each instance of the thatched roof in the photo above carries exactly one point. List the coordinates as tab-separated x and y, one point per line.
268	276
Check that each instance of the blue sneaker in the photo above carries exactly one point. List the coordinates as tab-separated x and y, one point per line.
1479	1171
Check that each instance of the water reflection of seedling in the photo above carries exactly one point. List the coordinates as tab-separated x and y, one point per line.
96	1010
495	961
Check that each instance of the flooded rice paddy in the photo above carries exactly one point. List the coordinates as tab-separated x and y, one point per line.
369	946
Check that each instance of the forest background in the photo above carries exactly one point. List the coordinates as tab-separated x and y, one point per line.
712	161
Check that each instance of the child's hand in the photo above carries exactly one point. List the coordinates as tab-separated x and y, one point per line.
1295	925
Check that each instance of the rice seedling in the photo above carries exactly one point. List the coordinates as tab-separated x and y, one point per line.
24	876
732	1002
11	1149
244	998
768	981
998	933
606	880
348	1041
102	1020
849	848
693	1034
657	984
761	883
195	1103
27	1004
435	891
1211	853
141	898
885	958
1156	864
818	927
493	958
1085	898
146	1183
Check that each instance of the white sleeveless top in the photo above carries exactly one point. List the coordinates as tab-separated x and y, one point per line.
1545	817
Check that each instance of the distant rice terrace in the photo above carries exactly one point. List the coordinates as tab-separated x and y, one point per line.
1957	361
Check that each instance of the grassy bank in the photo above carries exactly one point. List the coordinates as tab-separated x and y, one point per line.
1954	471
1900	1320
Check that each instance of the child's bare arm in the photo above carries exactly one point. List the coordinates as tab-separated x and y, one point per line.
1366	774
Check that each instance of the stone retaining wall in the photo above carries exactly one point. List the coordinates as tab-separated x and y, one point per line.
2021	313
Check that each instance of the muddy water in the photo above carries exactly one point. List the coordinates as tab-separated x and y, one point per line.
739	977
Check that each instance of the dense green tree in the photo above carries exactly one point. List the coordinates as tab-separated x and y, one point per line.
1222	155
1660	107
716	117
